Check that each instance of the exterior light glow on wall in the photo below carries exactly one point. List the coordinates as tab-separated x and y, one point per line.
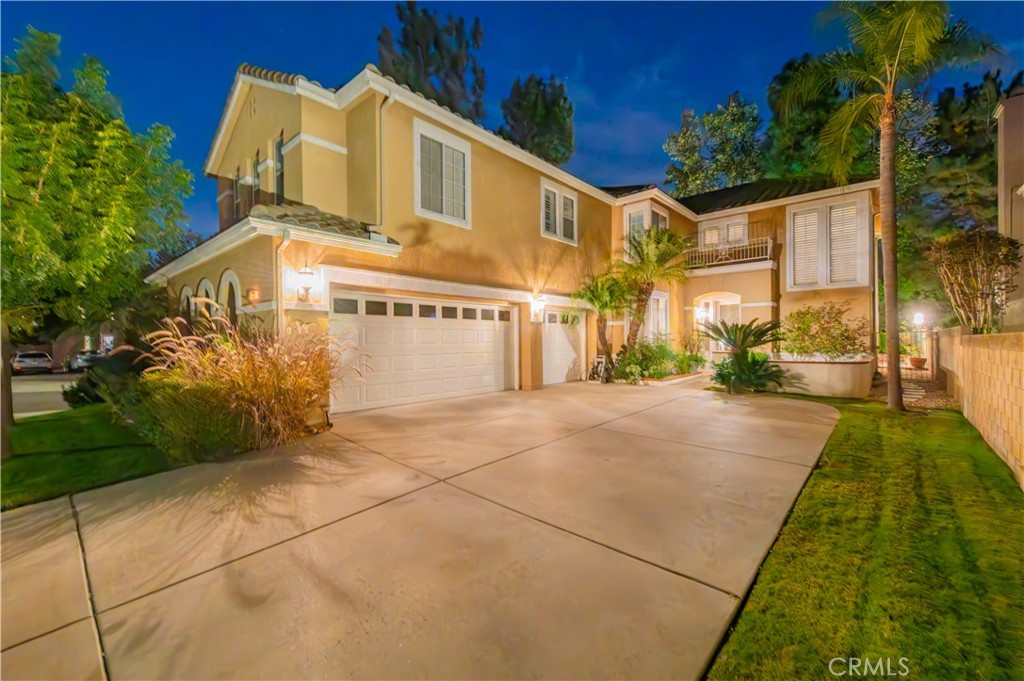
700	314
537	308
919	318
252	295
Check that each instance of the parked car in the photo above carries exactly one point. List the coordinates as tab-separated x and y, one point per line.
31	363
80	361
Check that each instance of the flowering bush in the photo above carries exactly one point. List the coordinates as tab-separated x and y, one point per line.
824	330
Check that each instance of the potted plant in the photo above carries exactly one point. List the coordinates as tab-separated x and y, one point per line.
918	362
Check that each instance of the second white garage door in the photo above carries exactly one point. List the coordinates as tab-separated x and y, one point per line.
414	350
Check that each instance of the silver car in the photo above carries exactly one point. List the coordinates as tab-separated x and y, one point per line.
31	363
80	361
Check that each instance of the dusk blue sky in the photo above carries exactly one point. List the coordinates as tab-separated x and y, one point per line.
631	68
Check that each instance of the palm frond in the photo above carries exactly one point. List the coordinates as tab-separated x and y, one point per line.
962	45
914	29
836	143
652	256
605	293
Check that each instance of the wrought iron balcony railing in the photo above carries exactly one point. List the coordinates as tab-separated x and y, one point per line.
728	254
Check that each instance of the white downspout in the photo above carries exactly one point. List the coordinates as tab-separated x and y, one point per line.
279	280
388	101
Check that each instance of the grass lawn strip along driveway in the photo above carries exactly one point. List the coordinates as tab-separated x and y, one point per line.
907	542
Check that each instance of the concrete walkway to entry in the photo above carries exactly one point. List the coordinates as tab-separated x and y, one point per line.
581	531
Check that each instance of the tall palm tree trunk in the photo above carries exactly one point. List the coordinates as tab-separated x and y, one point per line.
887	199
603	346
636	320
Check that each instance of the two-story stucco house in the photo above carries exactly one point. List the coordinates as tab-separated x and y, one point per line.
449	254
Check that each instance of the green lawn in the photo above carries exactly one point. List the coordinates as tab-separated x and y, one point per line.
71	451
908	541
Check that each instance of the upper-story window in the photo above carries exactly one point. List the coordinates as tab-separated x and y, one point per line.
279	170
558	211
236	194
442	175
829	244
724	232
659	220
256	178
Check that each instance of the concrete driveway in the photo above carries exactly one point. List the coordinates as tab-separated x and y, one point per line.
573	532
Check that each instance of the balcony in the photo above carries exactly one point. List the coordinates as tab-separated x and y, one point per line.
759	248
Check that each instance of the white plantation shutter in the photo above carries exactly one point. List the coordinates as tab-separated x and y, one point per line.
734	232
805	248
710	236
842	244
550	203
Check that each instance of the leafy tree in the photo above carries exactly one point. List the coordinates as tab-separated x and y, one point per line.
83	197
649	257
960	183
716	150
977	267
538	117
791	142
891	46
174	247
436	59
606	295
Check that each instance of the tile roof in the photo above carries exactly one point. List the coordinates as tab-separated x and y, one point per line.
274	76
311	217
627	189
760	191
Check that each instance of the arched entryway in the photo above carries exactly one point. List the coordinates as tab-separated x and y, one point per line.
717	306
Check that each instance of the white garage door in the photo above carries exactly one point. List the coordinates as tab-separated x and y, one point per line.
415	350
563	348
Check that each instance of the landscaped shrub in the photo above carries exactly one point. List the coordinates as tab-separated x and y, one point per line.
757	373
824	330
108	375
689	362
647	359
745	369
225	390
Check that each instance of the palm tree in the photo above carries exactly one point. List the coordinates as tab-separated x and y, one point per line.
606	295
747	370
649	257
894	45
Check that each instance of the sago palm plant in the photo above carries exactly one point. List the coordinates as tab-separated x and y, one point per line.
743	369
607	295
649	257
893	45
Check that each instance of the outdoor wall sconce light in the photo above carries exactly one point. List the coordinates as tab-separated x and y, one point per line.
252	295
303	291
537	308
919	318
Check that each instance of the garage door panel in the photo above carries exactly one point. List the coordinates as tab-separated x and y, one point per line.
465	349
403	336
426	336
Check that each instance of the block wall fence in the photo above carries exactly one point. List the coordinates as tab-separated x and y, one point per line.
985	373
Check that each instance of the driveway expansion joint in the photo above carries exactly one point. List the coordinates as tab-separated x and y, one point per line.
88	587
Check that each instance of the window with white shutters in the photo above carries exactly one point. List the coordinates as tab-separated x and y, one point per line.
827	244
710	236
735	232
442	175
805	248
558	210
842	244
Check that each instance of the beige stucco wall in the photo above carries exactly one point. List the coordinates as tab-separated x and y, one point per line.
252	262
986	374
